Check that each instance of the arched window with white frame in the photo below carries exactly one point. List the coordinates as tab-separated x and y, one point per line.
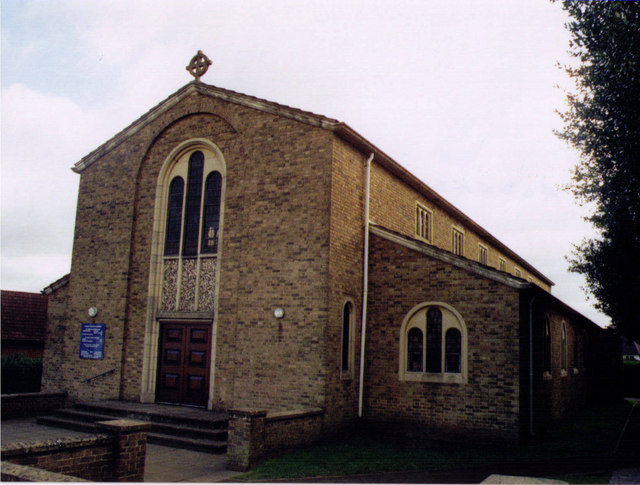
191	227
433	345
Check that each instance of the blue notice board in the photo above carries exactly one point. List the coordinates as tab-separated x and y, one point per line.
92	341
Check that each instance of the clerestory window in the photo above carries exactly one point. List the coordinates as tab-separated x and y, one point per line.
424	223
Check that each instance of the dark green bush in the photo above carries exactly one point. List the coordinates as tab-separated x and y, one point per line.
20	374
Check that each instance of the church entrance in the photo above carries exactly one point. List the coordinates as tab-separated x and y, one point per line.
183	363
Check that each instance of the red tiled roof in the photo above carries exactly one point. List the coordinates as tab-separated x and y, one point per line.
24	316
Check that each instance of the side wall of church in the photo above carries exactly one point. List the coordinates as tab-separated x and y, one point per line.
487	405
345	281
393	205
562	388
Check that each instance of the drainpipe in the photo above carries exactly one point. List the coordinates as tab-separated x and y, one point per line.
531	365
365	285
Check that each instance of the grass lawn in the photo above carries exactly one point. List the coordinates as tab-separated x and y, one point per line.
594	431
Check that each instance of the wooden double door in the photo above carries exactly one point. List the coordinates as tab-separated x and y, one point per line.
183	363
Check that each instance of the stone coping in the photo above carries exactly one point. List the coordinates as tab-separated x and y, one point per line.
280	415
21	473
23	395
294	414
43	446
124	426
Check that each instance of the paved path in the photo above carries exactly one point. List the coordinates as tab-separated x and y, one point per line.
162	464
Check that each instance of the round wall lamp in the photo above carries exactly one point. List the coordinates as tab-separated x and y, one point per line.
93	311
278	312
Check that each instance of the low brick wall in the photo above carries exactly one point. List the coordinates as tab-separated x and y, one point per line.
118	454
254	435
31	404
293	428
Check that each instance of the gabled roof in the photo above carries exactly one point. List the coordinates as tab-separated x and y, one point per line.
340	129
24	316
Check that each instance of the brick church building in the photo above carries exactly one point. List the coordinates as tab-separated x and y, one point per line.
241	254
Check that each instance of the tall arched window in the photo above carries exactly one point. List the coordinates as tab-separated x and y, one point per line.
433	343
547	346
201	215
192	230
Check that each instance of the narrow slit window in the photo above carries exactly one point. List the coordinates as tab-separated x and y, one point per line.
174	217
563	346
346	336
547	346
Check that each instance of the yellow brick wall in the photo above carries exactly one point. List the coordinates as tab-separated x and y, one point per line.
393	205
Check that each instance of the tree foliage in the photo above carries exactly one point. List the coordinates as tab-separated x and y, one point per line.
603	123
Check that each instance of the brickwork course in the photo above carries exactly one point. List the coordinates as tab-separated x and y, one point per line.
292	237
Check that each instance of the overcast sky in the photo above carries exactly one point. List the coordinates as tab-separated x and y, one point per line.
463	94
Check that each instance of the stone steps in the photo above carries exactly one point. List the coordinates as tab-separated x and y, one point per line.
175	427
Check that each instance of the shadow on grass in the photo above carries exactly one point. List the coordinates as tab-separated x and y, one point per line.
593	432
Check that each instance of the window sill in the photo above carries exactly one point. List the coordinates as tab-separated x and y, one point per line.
446	378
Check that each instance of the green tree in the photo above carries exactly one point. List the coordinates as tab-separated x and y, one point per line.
603	123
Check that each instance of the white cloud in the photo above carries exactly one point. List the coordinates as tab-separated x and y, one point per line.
42	136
